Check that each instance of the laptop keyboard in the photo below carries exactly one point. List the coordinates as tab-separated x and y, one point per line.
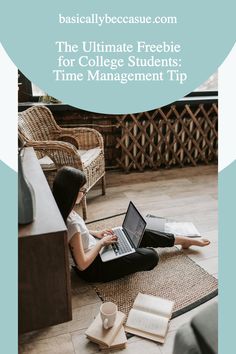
122	246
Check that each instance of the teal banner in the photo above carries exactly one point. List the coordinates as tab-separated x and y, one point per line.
112	57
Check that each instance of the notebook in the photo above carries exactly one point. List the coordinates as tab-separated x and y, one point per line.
157	223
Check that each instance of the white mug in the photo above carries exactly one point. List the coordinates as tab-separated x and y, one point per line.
108	312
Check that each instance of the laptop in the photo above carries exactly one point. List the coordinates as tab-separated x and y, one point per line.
129	236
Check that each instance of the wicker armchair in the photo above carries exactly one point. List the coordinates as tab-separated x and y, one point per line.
55	147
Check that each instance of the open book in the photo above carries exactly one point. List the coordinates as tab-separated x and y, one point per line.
149	317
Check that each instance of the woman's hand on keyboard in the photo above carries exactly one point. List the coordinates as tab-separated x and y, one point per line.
108	240
101	234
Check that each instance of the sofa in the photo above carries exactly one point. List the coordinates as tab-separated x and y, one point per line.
200	335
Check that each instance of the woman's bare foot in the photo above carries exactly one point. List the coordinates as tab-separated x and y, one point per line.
186	242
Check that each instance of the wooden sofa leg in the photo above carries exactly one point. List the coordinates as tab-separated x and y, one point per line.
84	208
103	185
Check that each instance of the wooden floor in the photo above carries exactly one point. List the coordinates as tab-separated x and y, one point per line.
188	194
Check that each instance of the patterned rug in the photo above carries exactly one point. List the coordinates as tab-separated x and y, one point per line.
176	277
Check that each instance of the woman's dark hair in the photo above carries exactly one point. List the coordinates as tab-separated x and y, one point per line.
66	186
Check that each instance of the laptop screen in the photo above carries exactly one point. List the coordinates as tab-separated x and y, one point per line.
134	224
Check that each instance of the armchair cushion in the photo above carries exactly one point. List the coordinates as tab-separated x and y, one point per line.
87	156
46	163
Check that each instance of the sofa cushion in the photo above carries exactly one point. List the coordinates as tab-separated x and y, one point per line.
205	327
185	341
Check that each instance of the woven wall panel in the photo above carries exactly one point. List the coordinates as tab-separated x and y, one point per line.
173	135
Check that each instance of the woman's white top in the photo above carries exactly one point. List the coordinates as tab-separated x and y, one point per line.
76	224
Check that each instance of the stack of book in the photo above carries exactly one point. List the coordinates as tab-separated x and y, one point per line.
149	318
112	338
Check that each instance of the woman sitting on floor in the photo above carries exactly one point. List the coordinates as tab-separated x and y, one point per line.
68	190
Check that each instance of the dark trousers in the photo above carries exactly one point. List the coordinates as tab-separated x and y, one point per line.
145	258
